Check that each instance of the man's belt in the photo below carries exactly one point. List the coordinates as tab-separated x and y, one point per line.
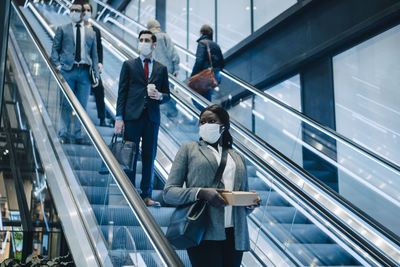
81	65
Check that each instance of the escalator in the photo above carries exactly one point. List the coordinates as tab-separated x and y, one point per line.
286	223
349	171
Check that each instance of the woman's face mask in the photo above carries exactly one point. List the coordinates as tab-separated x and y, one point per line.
75	16
210	132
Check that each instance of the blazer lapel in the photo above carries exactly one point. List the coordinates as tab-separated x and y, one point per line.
155	69
239	170
70	29
140	68
209	155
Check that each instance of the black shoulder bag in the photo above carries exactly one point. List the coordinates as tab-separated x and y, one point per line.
189	222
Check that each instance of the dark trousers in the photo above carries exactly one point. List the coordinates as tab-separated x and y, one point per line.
147	131
212	253
99	96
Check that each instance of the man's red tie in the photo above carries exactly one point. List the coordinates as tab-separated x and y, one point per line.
146	69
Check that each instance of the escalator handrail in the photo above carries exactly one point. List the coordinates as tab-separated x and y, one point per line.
304	118
151	228
243	130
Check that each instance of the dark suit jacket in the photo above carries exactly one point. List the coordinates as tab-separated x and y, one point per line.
132	92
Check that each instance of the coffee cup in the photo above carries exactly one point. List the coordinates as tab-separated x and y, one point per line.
150	89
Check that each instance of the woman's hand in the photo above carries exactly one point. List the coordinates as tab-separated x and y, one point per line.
212	196
257	202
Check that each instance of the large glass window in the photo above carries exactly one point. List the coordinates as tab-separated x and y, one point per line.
200	13
271	123
366	82
266	10
147	10
132	10
176	21
234	19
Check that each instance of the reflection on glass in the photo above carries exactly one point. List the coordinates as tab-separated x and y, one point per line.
233	26
267	10
366	79
147	10
132	9
176	21
200	13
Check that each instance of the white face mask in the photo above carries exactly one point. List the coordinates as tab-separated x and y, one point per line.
210	132
145	48
87	16
75	16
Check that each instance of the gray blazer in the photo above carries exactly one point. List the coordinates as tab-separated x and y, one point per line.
63	50
195	167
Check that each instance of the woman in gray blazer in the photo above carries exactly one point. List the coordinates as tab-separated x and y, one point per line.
190	178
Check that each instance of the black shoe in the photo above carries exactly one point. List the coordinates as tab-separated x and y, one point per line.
104	123
82	141
64	140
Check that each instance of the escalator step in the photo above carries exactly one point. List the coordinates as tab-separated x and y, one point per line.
322	255
299	233
122	215
279	214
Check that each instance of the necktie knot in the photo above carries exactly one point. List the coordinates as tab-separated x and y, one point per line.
146	60
78	25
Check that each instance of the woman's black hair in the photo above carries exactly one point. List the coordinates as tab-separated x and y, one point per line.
223	116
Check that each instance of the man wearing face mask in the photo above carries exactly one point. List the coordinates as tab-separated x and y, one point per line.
74	53
143	86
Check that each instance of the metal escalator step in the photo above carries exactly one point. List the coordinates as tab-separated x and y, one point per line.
255	183
279	214
322	254
273	198
120	239
122	257
299	233
85	163
97	195
93	178
81	151
122	215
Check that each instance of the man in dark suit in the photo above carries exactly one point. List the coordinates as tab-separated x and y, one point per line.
143	86
74	53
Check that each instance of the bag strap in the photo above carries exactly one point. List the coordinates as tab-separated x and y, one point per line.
209	53
114	138
221	168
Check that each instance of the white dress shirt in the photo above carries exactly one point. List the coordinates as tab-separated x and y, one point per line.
228	179
83	47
